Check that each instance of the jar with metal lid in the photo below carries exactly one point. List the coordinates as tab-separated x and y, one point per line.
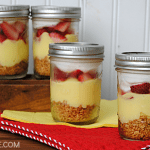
52	24
133	75
14	47
75	83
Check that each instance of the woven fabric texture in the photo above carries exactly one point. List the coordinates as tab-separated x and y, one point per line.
71	138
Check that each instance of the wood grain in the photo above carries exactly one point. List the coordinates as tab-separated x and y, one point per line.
28	94
24	142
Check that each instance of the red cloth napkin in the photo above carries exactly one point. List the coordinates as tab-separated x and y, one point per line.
71	138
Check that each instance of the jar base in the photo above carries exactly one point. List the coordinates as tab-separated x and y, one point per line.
80	123
125	138
10	77
37	76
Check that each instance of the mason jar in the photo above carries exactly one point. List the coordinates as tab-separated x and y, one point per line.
14	45
52	24
133	75
75	83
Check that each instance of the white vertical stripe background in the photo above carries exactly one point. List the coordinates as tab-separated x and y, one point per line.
113	50
147	27
113	40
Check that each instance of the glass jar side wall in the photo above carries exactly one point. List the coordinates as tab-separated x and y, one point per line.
133	104
47	31
75	90
14	47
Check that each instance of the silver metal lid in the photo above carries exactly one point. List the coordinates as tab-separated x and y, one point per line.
55	12
14	11
76	50
133	60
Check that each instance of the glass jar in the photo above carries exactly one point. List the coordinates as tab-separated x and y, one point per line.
14	47
75	83
52	24
133	75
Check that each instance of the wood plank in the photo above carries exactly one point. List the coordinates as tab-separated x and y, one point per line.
28	94
24	142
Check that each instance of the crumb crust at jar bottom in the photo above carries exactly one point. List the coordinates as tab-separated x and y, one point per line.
42	67
16	70
138	129
62	112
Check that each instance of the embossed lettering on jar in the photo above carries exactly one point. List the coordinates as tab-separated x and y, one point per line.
133	71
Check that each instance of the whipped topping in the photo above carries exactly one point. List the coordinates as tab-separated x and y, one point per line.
127	79
41	24
68	66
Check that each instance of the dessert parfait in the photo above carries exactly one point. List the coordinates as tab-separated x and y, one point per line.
55	25
14	47
134	99
75	89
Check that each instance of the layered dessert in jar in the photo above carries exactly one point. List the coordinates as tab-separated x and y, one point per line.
75	90
47	30
14	47
133	103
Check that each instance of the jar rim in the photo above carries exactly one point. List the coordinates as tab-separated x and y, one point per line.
76	50
133	60
43	11
14	11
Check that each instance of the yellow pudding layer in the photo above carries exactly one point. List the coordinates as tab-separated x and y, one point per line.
41	46
71	38
13	52
76	93
130	109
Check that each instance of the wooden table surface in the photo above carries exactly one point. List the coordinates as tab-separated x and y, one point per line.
26	94
14	141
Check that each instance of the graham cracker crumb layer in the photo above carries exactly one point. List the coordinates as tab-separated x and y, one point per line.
42	67
66	113
138	129
14	70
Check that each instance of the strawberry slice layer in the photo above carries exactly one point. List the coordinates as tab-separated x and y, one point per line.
2	38
84	77
10	31
40	32
49	29
93	73
62	26
121	92
140	88
60	75
19	26
57	37
76	73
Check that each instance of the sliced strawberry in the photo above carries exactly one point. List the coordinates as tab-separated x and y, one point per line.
40	32
60	75
9	31
2	38
140	88
84	77
93	73
128	98
22	38
49	29
19	26
1	31
57	37
131	97
69	31
121	92
62	26
75	74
